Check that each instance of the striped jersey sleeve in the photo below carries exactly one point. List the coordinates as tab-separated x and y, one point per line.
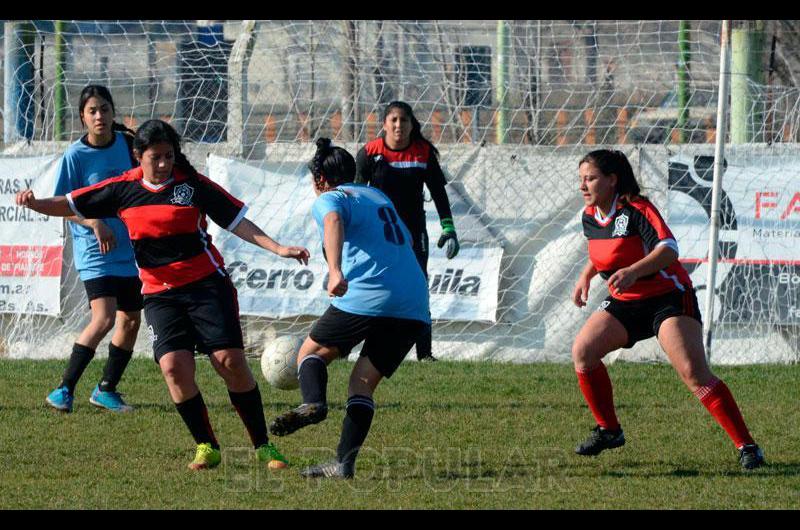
222	207
651	226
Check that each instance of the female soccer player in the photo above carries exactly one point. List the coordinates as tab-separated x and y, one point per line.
188	297
380	296
103	255
651	294
399	163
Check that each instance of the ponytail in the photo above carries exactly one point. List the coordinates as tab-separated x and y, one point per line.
128	135
333	165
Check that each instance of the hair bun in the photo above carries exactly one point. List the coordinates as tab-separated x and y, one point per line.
324	143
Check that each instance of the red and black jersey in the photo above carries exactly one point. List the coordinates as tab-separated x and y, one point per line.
166	222
630	232
401	175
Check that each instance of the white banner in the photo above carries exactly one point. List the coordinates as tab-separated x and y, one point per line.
31	244
758	276
279	198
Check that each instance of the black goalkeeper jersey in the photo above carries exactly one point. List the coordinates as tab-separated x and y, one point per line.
401	176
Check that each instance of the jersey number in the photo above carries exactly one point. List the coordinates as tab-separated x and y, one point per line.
391	230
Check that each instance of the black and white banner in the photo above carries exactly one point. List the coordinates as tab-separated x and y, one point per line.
279	199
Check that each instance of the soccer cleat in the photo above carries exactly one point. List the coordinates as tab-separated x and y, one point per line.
270	454
297	418
599	440
751	456
427	358
109	400
206	457
61	399
331	469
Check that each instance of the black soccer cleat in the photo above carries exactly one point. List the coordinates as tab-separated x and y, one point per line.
297	418
427	358
599	440
331	469
751	456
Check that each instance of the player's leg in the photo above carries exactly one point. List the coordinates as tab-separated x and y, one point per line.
331	337
681	338
388	342
120	348
601	334
424	344
178	369
231	365
103	308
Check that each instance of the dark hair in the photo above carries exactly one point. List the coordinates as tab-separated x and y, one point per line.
90	91
333	164
157	131
615	162
416	128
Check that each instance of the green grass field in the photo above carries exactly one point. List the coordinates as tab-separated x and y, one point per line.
445	436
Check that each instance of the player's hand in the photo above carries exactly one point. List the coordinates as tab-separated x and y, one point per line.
26	198
580	295
105	237
301	254
621	281
337	285
448	239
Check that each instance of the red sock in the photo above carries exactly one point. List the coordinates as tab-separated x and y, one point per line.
717	398
596	387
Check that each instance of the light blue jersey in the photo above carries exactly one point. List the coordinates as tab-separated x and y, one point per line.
84	165
383	275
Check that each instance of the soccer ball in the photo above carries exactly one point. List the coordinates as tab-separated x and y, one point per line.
279	362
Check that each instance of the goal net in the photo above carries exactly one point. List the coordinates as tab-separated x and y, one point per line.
511	106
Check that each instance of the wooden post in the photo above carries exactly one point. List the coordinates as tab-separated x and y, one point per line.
711	131
303	134
591	135
466	120
622	126
372	126
675	136
270	129
336	124
561	127
436	125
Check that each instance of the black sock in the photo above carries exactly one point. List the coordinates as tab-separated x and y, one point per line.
78	361
195	416
313	376
424	347
357	420
251	410
115	365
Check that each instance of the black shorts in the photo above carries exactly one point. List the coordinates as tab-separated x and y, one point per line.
642	318
387	340
126	289
203	315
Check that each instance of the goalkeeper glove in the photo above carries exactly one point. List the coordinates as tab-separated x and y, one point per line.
448	239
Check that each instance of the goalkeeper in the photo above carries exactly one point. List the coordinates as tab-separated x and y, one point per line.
398	163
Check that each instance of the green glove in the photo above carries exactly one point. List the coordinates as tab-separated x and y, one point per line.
448	238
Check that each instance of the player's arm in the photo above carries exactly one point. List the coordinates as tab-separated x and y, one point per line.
435	181
105	236
333	241
251	233
55	206
580	295
662	257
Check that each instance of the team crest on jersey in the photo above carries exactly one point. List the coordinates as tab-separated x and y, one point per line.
620	225
182	195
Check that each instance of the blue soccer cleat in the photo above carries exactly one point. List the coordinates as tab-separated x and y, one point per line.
109	400
60	399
